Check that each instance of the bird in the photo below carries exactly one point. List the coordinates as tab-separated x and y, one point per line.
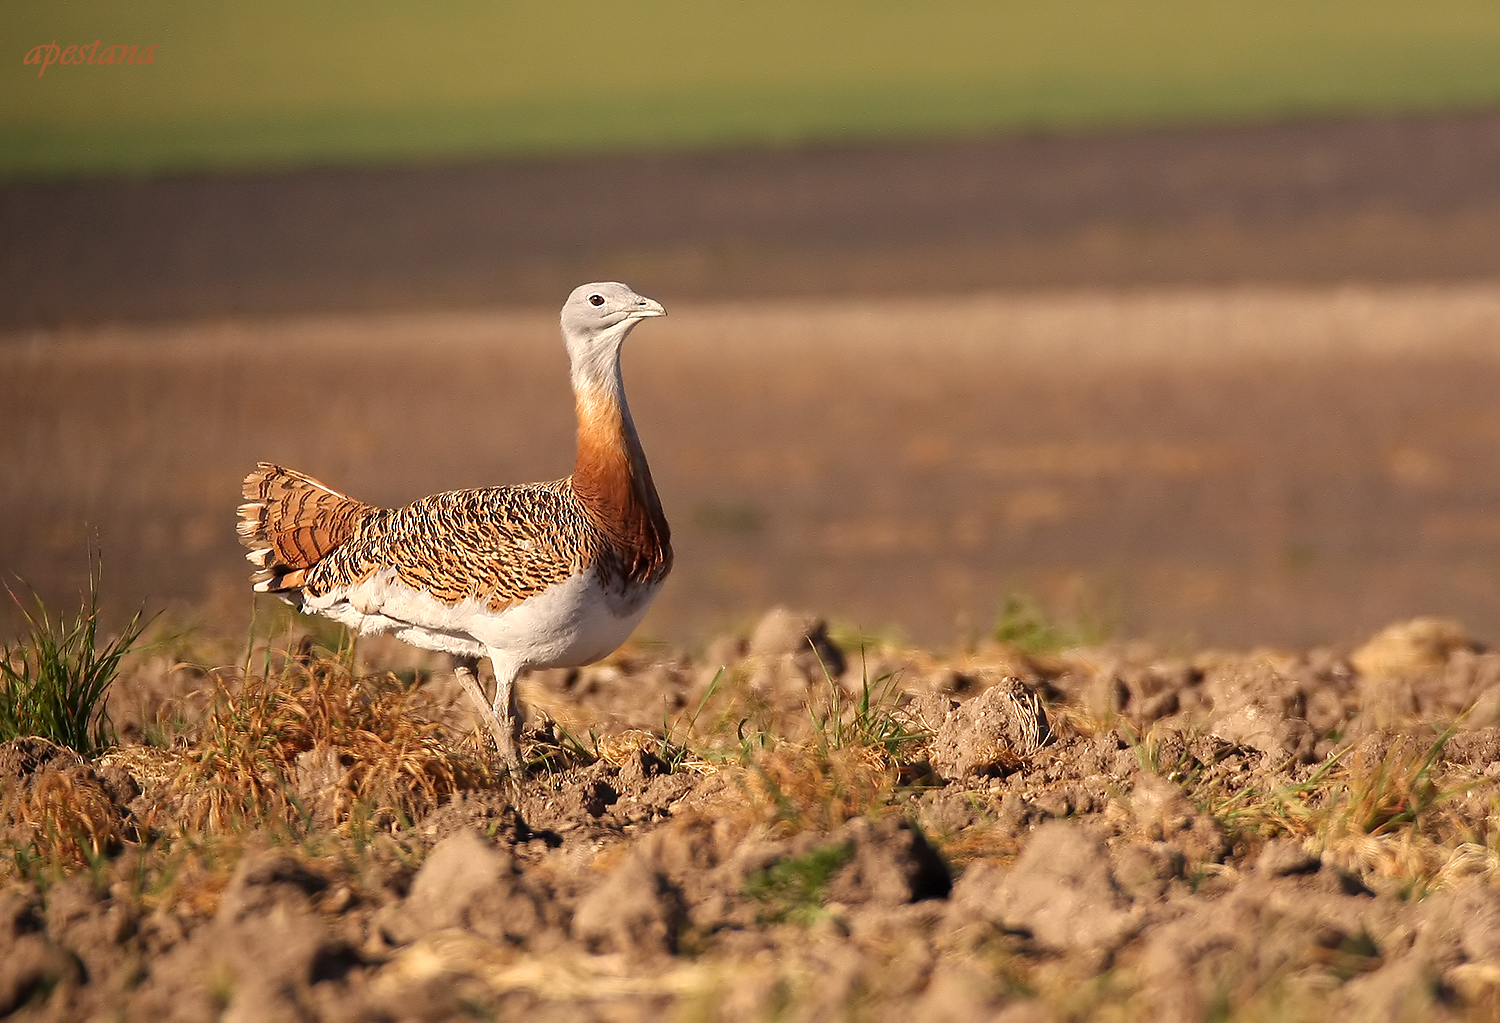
538	575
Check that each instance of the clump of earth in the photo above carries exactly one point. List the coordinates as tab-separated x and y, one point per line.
785	826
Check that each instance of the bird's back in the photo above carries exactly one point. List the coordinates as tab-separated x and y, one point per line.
499	545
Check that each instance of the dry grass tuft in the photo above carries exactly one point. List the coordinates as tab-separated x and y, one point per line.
1380	810
1384	793
56	811
1386	818
798	788
618	749
315	740
852	765
995	842
71	819
151	767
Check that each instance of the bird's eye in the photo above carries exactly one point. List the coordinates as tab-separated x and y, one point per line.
596	299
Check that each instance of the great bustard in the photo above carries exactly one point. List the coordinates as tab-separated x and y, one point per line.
534	576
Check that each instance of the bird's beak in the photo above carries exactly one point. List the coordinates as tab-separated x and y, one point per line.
647	307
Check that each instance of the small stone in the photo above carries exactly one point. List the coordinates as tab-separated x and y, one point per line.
1053	803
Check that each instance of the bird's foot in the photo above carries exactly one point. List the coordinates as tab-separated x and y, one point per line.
505	745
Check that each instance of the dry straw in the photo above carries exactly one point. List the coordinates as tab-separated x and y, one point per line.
317	741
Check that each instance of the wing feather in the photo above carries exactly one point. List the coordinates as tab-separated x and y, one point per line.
498	545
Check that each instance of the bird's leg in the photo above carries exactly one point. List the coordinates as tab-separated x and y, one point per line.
505	712
467	670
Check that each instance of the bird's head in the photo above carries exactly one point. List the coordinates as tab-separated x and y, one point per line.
595	320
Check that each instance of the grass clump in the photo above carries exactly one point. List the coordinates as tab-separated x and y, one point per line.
54	679
315	740
871	722
1388	817
849	766
799	788
1381	810
57	814
792	889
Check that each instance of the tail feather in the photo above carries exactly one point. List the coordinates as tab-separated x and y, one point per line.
290	522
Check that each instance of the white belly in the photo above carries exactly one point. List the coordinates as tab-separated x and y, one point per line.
570	623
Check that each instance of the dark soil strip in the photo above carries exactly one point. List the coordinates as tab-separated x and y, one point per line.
1377	200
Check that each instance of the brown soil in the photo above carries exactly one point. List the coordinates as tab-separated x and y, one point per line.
1177	838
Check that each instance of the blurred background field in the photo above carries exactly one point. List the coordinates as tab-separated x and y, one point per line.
1248	466
1178	319
293	84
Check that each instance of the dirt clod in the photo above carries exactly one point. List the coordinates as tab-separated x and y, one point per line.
800	635
891	864
992	734
1060	894
1408	648
470	883
635	911
1284	856
1165	814
31	966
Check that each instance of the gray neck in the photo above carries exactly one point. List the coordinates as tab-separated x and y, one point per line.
596	363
